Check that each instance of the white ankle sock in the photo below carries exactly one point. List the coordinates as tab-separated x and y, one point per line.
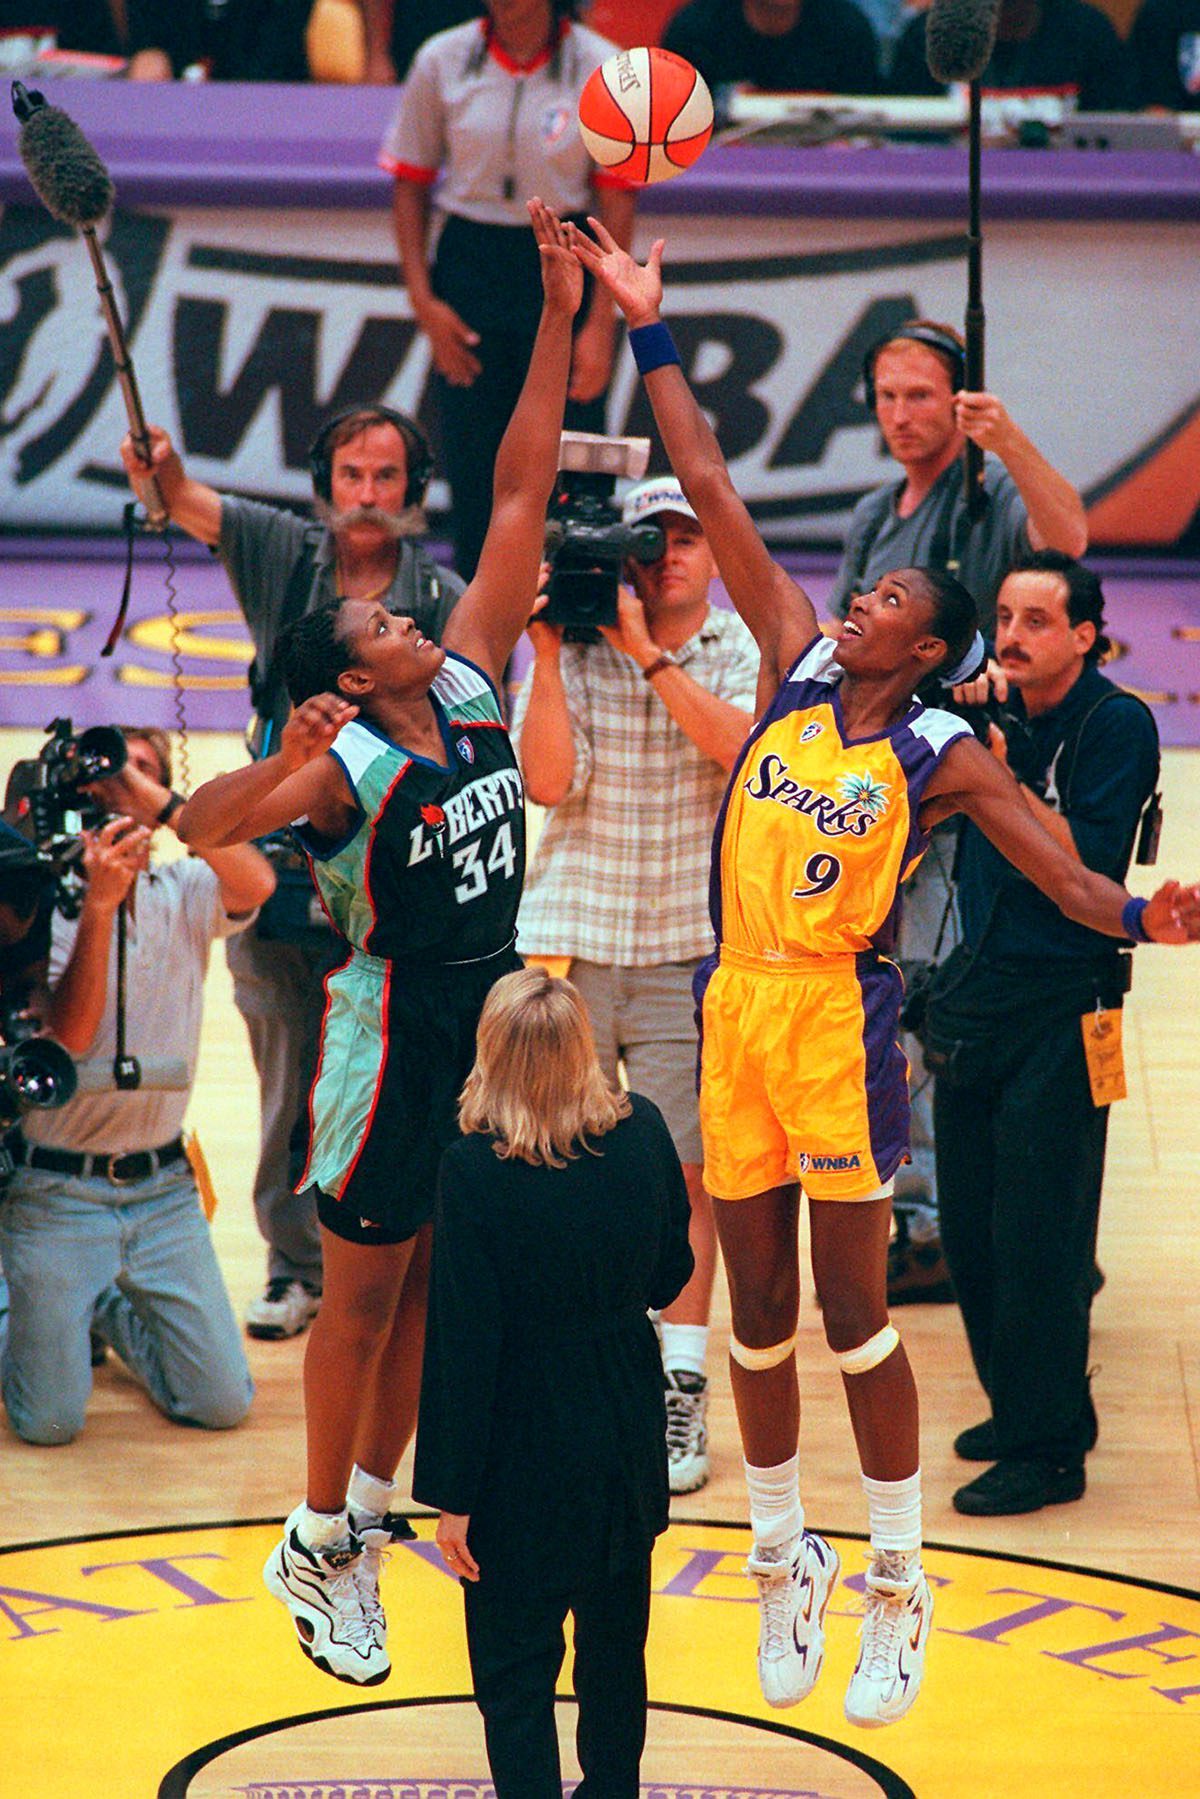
684	1346
319	1529
776	1514
369	1496
894	1509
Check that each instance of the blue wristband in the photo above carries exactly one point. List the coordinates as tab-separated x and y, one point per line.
1131	919
653	347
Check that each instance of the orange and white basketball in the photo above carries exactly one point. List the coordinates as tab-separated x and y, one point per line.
645	114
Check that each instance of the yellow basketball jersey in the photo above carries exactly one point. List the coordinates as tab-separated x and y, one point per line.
816	833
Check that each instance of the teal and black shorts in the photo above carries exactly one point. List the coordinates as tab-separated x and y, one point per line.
397	1043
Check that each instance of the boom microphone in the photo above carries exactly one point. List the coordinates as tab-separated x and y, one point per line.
75	187
959	38
67	175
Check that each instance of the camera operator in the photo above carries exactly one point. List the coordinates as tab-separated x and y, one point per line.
629	743
101	1230
370	467
914	382
1023	1031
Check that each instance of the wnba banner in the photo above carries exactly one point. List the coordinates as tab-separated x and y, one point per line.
248	326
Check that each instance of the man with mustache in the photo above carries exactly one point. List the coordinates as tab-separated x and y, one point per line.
370	466
1020	1126
914	380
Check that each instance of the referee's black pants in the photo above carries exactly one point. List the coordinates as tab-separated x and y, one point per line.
473	421
1020	1163
516	1645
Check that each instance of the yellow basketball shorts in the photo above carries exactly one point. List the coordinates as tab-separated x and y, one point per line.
801	1075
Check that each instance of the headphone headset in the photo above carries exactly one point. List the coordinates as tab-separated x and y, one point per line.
929	335
418	455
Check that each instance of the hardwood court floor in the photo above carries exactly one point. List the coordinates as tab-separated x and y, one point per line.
1141	1516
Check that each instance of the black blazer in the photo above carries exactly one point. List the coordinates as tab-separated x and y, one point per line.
542	1395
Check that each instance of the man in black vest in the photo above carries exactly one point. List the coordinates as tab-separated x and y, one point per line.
370	467
1023	1033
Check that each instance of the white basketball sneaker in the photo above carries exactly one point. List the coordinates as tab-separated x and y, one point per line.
320	1588
378	1536
892	1639
687	1432
792	1596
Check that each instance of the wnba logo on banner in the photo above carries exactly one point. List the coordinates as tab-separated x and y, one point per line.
248	331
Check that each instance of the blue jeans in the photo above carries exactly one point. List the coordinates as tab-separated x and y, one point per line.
135	1263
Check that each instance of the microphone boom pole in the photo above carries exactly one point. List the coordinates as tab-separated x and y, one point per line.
959	38
74	186
973	464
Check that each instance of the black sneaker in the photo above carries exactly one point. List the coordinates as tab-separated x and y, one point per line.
1012	1487
917	1273
286	1308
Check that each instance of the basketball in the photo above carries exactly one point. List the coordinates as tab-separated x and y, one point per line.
645	114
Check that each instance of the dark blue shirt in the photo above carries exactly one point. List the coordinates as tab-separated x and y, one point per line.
1095	763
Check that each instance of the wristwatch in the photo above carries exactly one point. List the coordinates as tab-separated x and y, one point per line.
660	662
170	809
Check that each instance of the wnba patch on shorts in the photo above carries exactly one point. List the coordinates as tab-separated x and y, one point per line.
817	1163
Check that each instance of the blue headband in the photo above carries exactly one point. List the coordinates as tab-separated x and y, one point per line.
971	665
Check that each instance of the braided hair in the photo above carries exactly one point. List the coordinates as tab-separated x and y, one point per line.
954	616
313	653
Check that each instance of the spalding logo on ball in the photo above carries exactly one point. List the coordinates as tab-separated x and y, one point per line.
645	114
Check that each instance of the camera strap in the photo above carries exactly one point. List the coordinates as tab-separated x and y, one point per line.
126	1072
1149	824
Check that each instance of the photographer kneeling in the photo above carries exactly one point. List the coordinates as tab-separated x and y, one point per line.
1022	1028
101	1228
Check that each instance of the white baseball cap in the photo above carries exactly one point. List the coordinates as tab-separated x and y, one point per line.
662	493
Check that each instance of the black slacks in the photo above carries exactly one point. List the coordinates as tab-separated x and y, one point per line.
1020	1163
516	1645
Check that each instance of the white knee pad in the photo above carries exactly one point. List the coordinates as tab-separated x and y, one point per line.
868	1355
756	1360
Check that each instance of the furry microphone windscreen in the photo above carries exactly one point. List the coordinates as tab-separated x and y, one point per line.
69	178
959	35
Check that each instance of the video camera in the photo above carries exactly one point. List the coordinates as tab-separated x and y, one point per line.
45	802
586	541
34	1071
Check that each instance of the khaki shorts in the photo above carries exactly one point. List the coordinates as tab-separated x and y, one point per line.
644	1021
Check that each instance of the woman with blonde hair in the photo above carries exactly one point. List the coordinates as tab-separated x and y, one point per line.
561	1217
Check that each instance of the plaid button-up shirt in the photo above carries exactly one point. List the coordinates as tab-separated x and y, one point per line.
620	875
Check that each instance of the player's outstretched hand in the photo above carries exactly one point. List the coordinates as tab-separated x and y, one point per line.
562	277
636	287
312	727
1172	914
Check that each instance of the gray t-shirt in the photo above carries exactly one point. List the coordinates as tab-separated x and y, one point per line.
878	540
281	566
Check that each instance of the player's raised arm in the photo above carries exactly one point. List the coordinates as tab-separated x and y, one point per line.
971	781
492	613
778	612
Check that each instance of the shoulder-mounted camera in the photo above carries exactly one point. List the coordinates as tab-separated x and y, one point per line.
586	541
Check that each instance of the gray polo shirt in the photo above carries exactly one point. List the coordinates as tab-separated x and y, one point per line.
266	548
495	130
879	540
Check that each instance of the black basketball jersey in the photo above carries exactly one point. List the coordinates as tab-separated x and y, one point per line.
434	865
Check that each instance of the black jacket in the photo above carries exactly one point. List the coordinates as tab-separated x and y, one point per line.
542	1395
